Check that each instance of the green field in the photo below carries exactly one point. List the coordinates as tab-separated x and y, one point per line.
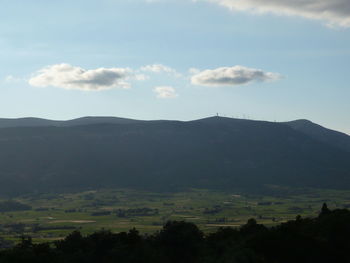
53	216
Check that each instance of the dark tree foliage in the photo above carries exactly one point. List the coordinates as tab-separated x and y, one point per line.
180	242
321	239
325	210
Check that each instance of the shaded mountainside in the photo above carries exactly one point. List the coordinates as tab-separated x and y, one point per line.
218	153
37	122
320	133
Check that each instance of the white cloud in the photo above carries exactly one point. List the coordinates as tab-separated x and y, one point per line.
165	92
232	76
69	77
333	12
159	68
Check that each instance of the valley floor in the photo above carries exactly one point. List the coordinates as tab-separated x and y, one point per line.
53	216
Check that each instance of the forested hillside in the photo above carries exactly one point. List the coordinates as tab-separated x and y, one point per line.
215	153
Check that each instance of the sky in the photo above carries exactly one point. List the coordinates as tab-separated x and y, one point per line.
274	60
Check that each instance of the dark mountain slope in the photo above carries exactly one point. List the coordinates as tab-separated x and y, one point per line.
98	120
27	122
320	133
37	122
212	153
309	128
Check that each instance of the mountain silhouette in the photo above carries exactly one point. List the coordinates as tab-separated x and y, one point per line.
215	153
320	133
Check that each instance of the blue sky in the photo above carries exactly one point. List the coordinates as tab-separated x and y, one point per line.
258	59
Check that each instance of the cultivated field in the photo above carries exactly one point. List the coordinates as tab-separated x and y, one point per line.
53	216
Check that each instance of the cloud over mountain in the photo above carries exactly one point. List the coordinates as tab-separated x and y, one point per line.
231	76
333	12
69	77
165	92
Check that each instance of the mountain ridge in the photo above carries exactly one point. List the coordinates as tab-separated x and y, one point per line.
336	138
309	128
216	153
